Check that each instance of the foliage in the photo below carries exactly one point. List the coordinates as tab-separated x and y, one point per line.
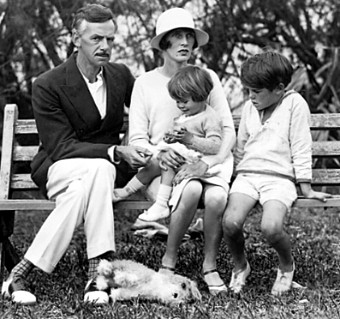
35	36
316	248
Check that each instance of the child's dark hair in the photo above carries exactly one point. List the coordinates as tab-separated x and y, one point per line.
190	82
266	70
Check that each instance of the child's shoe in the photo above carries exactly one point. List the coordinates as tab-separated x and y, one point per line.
283	281
238	279
155	212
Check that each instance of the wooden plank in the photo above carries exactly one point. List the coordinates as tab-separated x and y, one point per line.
304	202
38	204
24	153
26	127
26	204
22	181
318	121
41	204
321	176
326	148
325	121
10	115
327	177
133	204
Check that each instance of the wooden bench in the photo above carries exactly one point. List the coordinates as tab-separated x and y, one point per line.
15	153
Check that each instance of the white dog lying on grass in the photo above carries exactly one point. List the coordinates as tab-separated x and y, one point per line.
128	279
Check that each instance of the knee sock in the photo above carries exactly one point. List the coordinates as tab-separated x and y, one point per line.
163	195
160	208
130	188
22	269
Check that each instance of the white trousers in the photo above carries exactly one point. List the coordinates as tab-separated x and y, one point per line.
83	190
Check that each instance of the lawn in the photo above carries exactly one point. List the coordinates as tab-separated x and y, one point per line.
316	244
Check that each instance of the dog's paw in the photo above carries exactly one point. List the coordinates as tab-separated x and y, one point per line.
105	268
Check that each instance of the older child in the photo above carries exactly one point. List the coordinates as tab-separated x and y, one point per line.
197	132
273	152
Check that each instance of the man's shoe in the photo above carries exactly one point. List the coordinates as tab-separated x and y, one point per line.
94	296
238	279
14	288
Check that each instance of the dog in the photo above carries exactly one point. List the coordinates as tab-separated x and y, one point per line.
128	279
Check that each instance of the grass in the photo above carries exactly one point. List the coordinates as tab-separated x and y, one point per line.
316	244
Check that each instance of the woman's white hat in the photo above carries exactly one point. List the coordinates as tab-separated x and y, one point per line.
173	19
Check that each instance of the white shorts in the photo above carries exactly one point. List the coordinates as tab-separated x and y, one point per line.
265	187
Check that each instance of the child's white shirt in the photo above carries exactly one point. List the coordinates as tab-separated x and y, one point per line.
281	146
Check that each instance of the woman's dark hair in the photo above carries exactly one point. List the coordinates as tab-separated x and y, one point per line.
165	43
266	70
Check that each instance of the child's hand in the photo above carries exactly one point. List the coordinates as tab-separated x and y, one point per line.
318	195
183	136
308	192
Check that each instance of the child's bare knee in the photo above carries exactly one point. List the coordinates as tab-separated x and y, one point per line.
272	233
231	228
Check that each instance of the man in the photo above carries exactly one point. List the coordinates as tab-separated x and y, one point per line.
79	107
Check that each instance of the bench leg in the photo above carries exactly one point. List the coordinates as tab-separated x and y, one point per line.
9	257
2	262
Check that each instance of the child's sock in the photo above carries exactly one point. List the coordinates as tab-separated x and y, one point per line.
160	208
131	187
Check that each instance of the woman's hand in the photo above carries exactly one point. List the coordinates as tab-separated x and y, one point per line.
171	159
197	169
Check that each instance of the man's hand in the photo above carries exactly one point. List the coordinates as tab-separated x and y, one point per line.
197	169
135	156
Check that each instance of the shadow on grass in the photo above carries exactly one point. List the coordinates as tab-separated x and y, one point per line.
316	247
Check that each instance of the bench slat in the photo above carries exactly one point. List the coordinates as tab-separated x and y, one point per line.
321	176
319	149
318	122
41	204
22	181
325	121
24	153
304	202
26	127
326	148
44	204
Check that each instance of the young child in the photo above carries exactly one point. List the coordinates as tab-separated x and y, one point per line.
273	152
196	132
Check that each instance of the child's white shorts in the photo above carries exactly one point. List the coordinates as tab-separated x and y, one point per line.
263	187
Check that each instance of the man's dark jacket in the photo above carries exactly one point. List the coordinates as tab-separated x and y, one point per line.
68	120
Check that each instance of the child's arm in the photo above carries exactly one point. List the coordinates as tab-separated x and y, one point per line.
301	146
308	192
209	145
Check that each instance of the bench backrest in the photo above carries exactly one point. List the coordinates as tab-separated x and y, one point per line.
14	153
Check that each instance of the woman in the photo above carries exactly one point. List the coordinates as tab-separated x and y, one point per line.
151	113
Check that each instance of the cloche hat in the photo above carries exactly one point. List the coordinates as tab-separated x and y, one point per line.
173	19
